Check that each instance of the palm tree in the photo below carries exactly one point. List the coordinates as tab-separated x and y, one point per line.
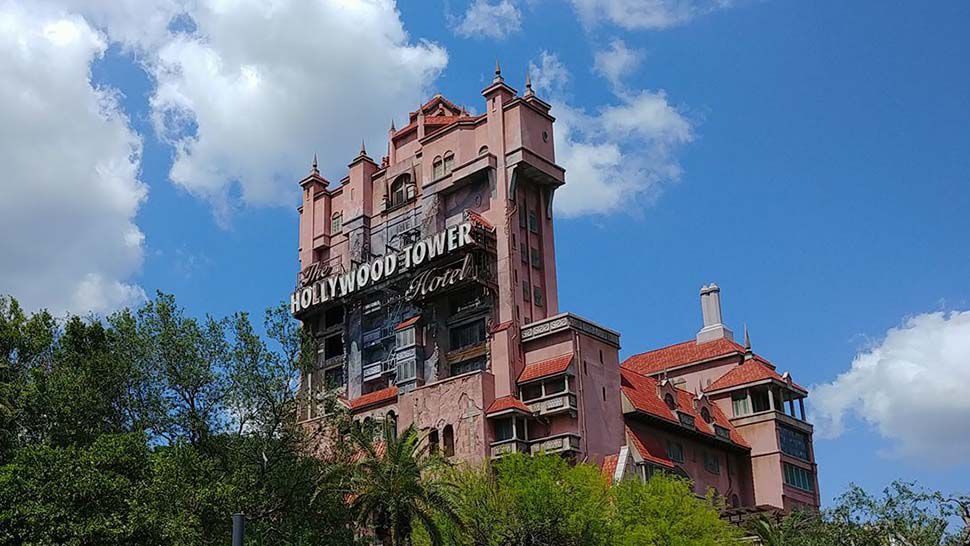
397	483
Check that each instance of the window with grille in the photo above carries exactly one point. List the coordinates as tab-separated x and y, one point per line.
336	222
675	451
799	477
537	296
793	442
536	258
739	401
449	162
467	335
533	222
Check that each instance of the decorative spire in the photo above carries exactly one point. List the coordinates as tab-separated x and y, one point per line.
528	84
363	151
498	73
748	353
392	125
313	166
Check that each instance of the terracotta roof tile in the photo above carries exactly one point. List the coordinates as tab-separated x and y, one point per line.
408	323
609	466
546	368
507	403
751	371
375	398
641	391
681	354
649	448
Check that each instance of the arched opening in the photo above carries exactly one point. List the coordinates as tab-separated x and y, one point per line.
390	425
449	439
438	168
398	192
336	222
669	400
433	441
706	415
449	162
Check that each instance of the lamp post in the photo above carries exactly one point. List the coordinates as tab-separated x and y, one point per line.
238	529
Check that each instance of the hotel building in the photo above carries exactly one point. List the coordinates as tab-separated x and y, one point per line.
429	279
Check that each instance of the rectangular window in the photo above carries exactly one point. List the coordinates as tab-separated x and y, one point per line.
532	391
537	295
759	400
799	478
449	163
536	258
467	335
406	370
525	290
524	252
404	338
533	222
522	214
675	451
793	442
711	463
554	386
336	223
722	432
740	403
686	419
472	365
503	429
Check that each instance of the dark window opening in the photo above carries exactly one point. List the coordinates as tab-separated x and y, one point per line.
793	443
333	316
536	258
669	400
532	391
675	451
433	441
554	386
524	252
398	193
334	377
759	400
333	346
533	222
467	335
448	436
706	415
537	293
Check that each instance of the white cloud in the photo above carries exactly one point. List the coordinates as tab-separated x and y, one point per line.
487	20
911	387
618	156
248	96
70	187
617	62
644	14
550	75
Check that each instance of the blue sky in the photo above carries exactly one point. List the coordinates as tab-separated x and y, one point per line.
824	185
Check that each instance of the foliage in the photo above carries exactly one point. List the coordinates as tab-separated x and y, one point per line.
396	484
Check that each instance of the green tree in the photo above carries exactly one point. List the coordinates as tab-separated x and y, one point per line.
398	485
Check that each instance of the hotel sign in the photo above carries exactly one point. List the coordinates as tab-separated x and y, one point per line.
323	289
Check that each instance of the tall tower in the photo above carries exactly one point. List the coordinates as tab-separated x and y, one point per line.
429	279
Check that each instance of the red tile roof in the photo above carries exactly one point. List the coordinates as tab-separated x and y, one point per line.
507	403
546	368
642	392
649	449
681	354
751	371
408	323
609	466
375	398
480	220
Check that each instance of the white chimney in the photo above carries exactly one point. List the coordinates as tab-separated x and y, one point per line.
711	311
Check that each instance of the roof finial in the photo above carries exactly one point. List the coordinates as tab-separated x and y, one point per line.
363	151
528	84
313	166
392	125
748	353
498	73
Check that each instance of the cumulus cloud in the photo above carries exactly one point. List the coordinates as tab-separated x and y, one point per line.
644	14
487	20
254	89
70	185
910	387
617	62
615	155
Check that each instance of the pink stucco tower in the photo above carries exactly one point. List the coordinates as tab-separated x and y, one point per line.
429	278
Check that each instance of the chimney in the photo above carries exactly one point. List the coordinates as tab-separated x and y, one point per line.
711	310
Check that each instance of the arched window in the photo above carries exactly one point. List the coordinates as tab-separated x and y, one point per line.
483	150
449	161
706	415
390	423
669	400
336	222
438	168
433	441
398	194
449	439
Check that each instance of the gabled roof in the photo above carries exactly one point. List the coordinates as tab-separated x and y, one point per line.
642	392
681	354
507	403
546	368
752	370
649	449
609	466
376	398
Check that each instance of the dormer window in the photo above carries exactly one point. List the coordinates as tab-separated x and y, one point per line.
706	415
336	222
398	194
669	400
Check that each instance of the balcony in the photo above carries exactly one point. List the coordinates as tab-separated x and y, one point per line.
504	447
558	443
376	336
552	405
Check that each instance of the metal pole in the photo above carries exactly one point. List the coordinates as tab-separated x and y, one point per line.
238	529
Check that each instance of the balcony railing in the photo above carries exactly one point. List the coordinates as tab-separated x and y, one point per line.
557	443
333	361
504	447
559	403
